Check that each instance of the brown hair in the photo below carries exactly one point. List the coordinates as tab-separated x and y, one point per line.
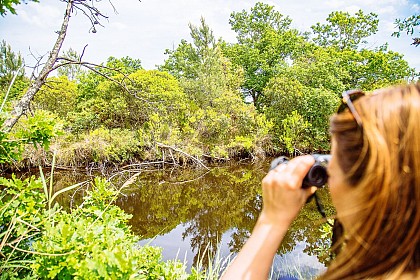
381	160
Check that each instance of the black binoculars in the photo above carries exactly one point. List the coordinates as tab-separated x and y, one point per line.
317	176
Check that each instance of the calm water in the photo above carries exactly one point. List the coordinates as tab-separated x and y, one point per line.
188	212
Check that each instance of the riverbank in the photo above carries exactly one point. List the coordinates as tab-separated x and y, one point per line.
104	149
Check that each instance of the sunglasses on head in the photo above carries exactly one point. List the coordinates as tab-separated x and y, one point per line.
349	97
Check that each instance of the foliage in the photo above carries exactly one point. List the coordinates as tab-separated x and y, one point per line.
345	31
300	114
203	71
265	43
334	70
70	70
8	5
294	133
100	147
22	209
217	120
408	25
92	241
88	81
12	79
58	95
110	105
319	67
10	64
250	27
39	129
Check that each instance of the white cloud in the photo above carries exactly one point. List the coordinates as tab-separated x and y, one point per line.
334	4
145	29
352	9
47	16
388	27
387	10
119	26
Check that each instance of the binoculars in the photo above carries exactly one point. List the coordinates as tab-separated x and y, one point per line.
317	176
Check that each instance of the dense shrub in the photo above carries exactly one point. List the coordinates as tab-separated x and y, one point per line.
92	241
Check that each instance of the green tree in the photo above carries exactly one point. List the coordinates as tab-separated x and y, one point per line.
345	31
11	64
408	25
338	70
288	102
71	70
126	65
12	76
8	5
319	67
58	95
105	103
52	62
201	67
88	81
294	133
251	27
265	43
218	121
382	67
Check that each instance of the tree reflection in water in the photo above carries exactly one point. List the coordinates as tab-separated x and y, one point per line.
224	202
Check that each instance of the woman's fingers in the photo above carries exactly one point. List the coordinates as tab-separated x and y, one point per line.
283	195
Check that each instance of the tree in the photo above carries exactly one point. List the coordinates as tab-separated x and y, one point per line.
53	62
408	25
7	5
337	70
11	65
71	71
251	27
300	113
265	43
103	102
218	119
203	70
345	31
58	95
88	81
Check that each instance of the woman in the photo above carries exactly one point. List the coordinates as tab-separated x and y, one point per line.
374	180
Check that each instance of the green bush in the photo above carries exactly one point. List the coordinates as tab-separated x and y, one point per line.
92	241
22	213
95	242
98	146
286	100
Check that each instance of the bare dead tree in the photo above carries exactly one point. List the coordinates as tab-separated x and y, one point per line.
87	8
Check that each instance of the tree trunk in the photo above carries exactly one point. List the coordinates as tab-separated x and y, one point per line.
23	104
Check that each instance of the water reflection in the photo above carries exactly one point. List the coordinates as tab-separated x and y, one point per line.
188	212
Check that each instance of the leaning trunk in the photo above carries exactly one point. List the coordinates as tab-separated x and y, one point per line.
23	105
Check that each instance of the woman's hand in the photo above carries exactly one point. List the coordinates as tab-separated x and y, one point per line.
283	195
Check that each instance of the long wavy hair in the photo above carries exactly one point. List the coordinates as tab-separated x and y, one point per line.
381	160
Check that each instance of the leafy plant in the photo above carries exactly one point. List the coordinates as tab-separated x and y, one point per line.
22	209
294	133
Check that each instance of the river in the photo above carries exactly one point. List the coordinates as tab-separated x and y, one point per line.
195	213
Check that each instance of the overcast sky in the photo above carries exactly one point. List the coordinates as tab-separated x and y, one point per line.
143	30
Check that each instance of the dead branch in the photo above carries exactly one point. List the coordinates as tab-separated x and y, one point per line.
94	15
184	153
23	104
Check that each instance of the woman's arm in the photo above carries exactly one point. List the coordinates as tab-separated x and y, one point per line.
283	197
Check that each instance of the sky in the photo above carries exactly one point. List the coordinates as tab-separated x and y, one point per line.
145	29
